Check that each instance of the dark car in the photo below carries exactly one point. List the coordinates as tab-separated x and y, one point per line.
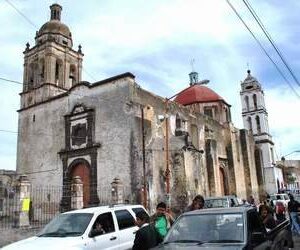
225	228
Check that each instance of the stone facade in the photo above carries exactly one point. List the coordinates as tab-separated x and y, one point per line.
93	130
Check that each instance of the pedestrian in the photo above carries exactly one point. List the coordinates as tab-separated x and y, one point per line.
267	217
280	212
293	208
162	220
146	237
197	203
251	201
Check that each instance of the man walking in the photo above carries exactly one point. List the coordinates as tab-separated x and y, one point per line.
293	208
146	237
162	220
197	203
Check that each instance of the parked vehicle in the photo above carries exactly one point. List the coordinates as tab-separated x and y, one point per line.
224	201
234	228
91	228
284	198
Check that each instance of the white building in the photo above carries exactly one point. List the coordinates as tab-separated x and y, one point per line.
255	119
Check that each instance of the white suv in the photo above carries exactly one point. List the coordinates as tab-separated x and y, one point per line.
77	230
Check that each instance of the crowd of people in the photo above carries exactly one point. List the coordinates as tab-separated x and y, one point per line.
273	214
154	229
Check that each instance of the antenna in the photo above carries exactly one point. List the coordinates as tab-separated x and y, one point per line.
248	67
192	62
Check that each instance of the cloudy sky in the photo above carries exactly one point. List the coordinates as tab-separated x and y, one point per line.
156	40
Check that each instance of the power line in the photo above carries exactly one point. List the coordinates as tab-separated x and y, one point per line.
8	80
257	19
261	46
23	15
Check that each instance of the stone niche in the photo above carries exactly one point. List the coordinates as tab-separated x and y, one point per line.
79	128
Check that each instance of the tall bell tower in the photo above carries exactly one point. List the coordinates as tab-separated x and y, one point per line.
51	66
255	119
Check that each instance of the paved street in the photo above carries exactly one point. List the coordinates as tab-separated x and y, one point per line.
297	242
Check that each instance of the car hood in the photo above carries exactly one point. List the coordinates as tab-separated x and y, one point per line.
45	243
193	246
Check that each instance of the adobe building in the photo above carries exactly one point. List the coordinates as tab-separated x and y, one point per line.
113	128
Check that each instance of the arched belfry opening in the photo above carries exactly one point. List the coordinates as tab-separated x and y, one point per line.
47	75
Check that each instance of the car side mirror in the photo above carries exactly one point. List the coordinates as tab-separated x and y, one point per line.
257	237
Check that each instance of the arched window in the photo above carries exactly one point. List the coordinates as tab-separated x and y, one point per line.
247	102
195	136
249	123
178	122
58	71
42	69
72	75
255	101
30	76
258	124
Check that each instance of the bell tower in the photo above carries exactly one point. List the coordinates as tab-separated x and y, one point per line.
51	66
255	119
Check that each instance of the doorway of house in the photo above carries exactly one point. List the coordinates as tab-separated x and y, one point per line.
83	172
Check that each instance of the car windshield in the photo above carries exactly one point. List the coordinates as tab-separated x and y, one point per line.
215	203
67	225
207	228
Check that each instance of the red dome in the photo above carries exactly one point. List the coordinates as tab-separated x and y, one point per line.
196	94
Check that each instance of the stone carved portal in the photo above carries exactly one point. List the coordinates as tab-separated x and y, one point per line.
83	172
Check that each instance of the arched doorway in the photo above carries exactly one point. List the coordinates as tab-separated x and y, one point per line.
83	171
223	182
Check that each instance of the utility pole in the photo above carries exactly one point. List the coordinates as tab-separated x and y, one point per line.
167	171
144	161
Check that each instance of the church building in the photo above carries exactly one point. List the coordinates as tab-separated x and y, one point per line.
113	128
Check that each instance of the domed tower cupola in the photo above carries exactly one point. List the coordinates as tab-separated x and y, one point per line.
51	67
193	78
55	30
55	11
250	82
204	100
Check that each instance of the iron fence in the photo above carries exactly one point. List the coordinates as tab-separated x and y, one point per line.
44	204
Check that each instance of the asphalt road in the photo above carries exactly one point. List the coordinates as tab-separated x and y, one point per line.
296	242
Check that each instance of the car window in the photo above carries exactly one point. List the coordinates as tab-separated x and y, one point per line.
215	203
286	197
138	209
67	225
104	223
218	228
125	219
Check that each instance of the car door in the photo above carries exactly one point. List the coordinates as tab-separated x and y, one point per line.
257	237
108	237
127	228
